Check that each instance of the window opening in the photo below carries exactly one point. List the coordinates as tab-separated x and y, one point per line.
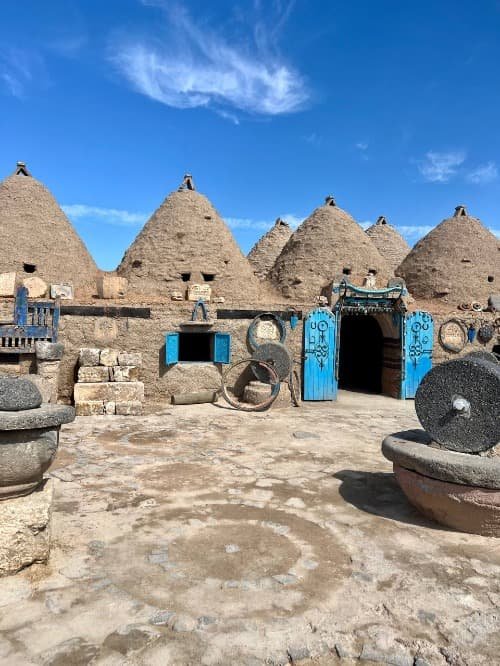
29	268
195	347
208	277
185	277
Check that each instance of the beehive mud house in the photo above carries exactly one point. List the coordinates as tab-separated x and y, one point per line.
327	244
186	252
459	260
36	237
389	242
267	249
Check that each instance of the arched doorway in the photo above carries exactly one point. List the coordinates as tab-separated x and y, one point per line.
360	354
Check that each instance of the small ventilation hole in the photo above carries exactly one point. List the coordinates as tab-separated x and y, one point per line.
346	271
185	277
208	277
29	268
136	263
372	271
491	278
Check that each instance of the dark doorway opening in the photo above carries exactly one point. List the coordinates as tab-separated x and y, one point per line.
360	354
195	347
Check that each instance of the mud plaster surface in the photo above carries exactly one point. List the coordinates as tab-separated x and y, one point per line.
200	535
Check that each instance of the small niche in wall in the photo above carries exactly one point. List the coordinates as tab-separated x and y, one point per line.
346	271
185	277
491	278
208	277
29	268
136	263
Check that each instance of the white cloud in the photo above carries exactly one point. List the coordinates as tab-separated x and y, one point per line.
113	216
441	167
362	145
195	67
262	225
485	173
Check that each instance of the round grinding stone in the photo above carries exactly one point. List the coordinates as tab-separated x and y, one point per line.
482	353
277	355
458	404
18	394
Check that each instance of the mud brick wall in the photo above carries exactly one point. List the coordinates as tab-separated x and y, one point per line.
147	336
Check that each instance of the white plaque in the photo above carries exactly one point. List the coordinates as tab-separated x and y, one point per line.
197	291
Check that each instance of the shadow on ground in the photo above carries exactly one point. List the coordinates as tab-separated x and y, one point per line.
378	493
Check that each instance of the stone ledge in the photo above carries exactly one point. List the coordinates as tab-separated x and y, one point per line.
46	416
411	449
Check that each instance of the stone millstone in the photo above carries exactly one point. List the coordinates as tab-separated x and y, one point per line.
277	355
18	394
474	380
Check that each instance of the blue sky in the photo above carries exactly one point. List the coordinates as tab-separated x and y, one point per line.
393	107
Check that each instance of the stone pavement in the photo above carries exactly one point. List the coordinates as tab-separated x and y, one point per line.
201	535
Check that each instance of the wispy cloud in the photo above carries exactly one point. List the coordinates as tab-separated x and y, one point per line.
194	66
362	145
483	174
112	216
314	139
20	69
441	167
261	225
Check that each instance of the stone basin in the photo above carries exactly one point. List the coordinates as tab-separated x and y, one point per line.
28	445
459	490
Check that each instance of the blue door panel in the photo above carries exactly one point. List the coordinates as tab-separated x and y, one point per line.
171	348
222	348
320	328
417	341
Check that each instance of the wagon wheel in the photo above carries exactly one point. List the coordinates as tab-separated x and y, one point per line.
265	404
294	386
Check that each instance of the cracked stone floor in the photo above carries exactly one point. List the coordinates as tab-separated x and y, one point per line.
202	535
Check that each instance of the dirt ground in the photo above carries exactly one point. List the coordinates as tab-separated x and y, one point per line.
201	535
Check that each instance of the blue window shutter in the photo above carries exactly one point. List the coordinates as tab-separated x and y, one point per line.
222	348
171	348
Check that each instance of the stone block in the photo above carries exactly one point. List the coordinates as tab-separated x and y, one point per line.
130	408
36	287
125	373
49	351
110	408
93	373
48	369
46	387
89	408
7	284
25	530
62	291
89	356
111	286
110	392
130	358
109	357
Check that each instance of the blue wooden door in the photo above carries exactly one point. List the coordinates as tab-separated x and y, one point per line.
320	329
417	342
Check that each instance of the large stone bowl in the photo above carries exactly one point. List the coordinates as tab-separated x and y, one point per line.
28	445
459	490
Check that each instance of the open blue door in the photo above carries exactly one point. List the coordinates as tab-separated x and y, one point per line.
320	329
417	341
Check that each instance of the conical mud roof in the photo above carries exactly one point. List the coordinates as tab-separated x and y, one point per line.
265	252
36	237
389	242
327	244
459	260
186	242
